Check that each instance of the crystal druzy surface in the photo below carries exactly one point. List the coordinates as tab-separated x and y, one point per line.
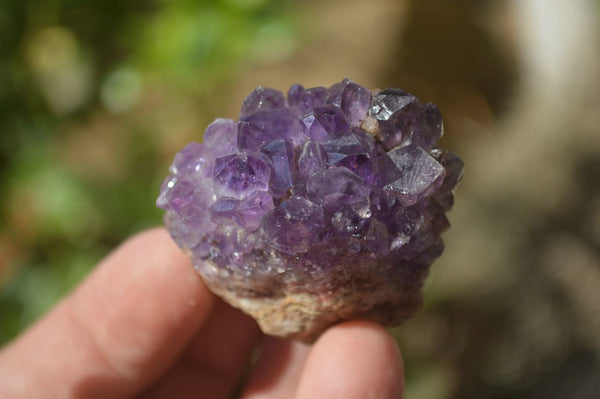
323	205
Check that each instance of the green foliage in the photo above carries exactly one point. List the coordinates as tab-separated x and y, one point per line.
90	93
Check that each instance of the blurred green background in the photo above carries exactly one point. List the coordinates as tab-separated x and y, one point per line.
97	97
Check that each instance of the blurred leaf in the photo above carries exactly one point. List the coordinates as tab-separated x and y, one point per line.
91	94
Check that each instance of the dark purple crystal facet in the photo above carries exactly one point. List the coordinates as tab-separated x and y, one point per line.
293	225
336	186
238	175
323	121
262	99
355	103
304	101
316	206
261	128
281	154
420	174
311	160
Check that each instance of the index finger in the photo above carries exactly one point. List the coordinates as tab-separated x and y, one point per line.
119	330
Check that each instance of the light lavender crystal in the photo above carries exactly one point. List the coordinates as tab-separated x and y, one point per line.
314	208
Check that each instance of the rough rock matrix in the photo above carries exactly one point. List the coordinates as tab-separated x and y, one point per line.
320	206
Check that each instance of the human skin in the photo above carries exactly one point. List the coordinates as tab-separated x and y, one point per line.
143	324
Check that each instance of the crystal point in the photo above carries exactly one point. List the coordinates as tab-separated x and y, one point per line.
355	103
293	225
420	174
281	154
262	99
311	159
237	175
324	121
305	100
221	137
256	130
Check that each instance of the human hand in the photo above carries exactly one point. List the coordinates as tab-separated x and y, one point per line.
143	324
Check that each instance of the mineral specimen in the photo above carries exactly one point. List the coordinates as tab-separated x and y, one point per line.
314	208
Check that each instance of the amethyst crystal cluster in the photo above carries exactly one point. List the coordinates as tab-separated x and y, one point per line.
321	206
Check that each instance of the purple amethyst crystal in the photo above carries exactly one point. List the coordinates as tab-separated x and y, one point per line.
316	207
